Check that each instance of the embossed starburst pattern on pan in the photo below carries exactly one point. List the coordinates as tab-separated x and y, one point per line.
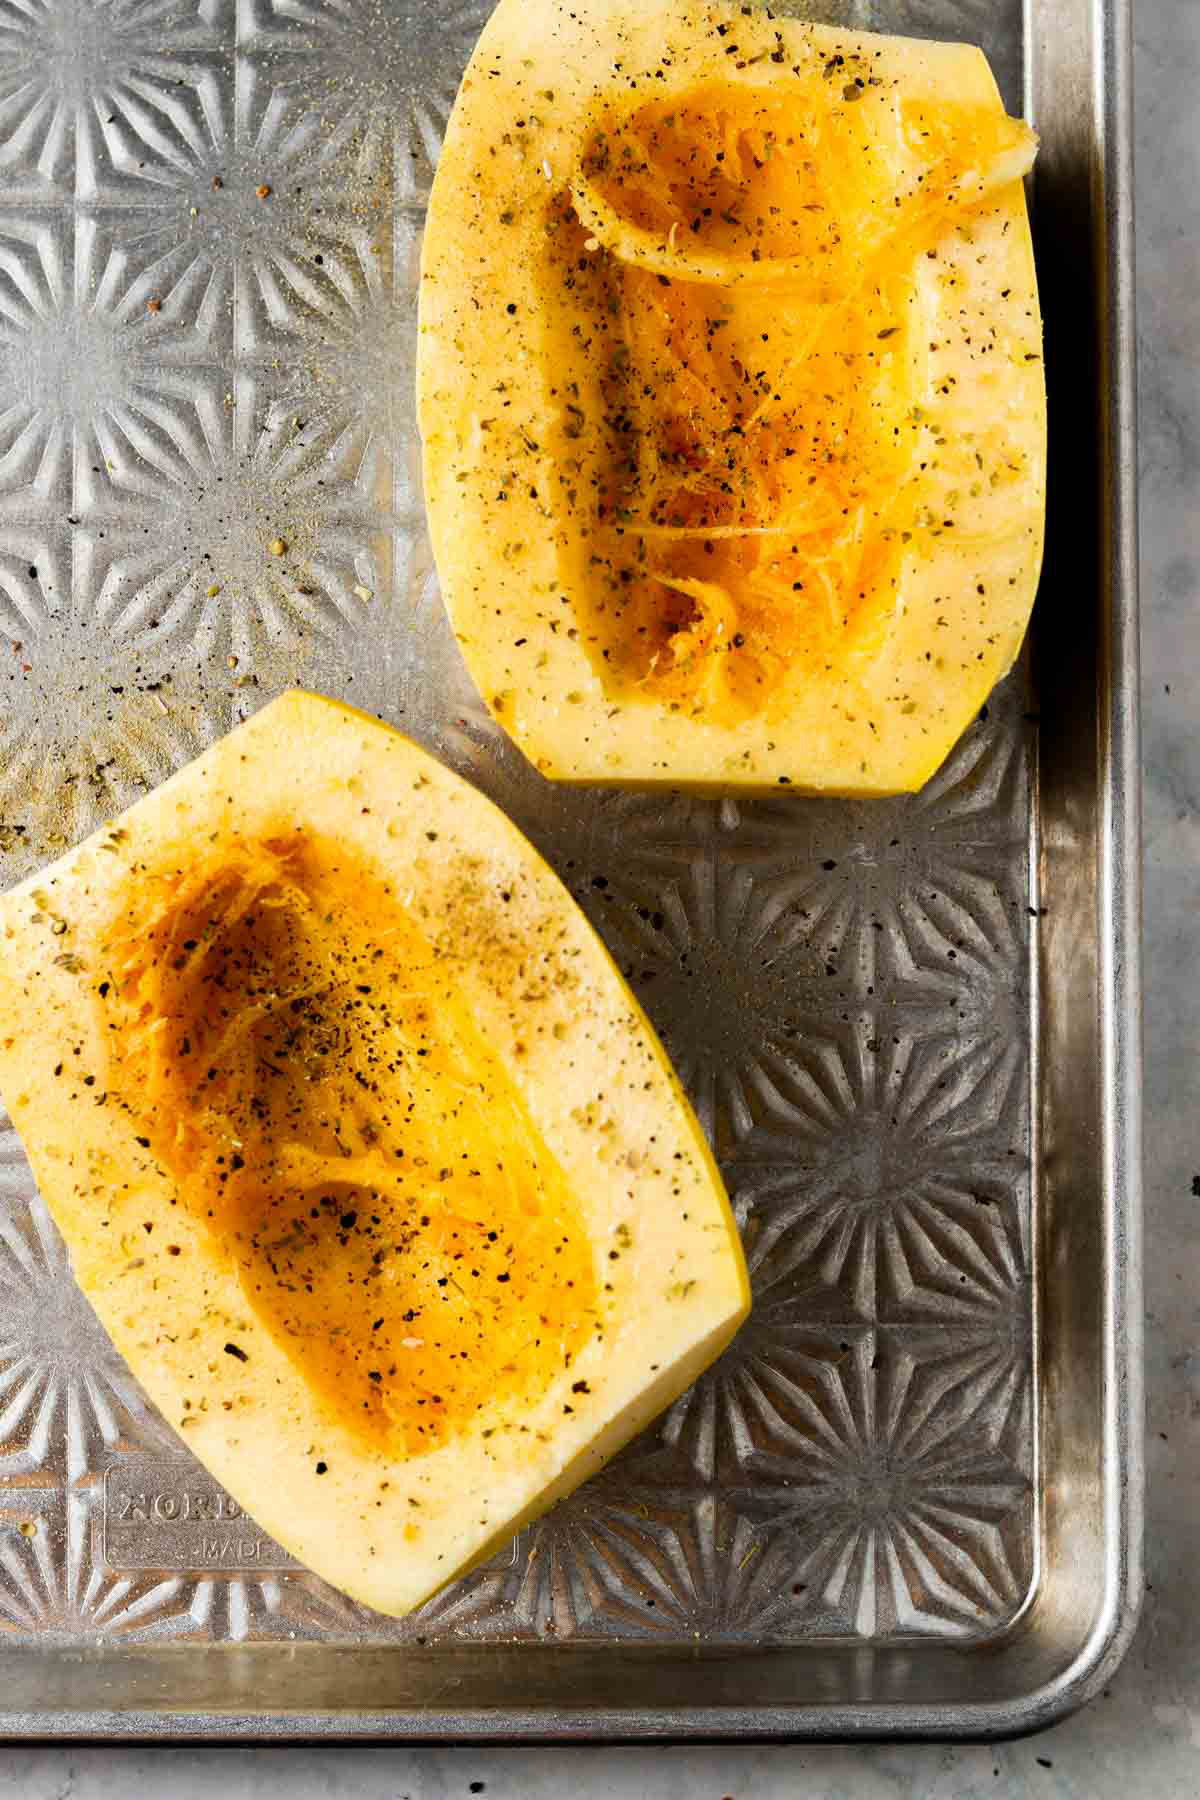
210	221
66	1399
392	70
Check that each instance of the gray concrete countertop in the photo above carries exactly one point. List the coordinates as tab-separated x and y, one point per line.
1142	1739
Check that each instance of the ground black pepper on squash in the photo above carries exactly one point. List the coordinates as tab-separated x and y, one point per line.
730	392
363	1152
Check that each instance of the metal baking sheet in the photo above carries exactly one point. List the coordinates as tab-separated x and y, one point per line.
907	1500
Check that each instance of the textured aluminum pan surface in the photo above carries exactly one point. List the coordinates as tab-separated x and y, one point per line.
907	1500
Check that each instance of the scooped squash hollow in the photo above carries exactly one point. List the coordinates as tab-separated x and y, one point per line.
364	1154
731	393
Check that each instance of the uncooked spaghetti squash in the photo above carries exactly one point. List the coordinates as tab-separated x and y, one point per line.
364	1154
731	393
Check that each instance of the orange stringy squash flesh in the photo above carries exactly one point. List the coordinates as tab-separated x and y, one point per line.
743	267
329	1110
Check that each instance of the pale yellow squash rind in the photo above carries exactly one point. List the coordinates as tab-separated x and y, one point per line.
881	724
597	1084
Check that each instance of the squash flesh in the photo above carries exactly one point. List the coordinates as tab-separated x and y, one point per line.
574	1093
755	529
281	1037
730	391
